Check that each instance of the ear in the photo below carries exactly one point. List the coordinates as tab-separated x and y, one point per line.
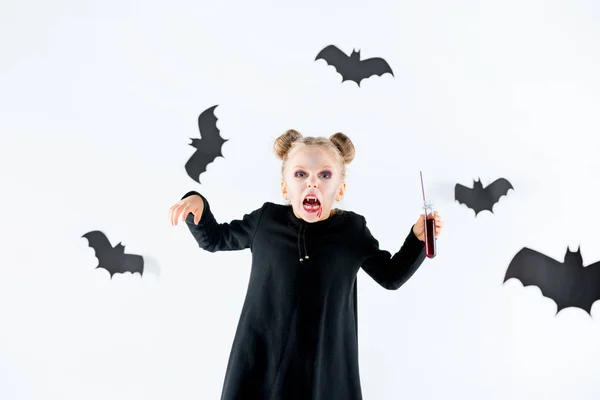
284	191
341	191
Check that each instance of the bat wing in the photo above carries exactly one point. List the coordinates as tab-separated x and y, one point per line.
552	277
101	245
210	134
497	189
210	145
374	66
467	196
132	263
197	164
588	288
337	59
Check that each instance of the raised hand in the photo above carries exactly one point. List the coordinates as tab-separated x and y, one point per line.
180	210
419	227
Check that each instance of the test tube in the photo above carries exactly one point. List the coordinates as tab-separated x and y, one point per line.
430	248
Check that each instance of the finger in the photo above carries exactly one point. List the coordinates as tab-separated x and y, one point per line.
174	217
184	213
177	213
175	206
196	218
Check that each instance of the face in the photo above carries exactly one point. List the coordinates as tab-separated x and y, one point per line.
312	171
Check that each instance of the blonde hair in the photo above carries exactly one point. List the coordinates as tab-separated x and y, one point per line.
340	145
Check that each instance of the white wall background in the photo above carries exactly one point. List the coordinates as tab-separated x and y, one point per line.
98	100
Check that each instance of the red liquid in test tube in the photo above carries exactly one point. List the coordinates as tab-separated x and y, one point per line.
428	210
430	247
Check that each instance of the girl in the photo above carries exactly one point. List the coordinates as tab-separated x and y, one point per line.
297	334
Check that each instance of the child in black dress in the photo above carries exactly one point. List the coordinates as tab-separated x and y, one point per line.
297	333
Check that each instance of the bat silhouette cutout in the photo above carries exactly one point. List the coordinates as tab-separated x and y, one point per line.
208	147
113	259
479	198
568	283
351	67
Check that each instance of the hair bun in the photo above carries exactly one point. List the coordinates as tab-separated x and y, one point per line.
344	145
284	142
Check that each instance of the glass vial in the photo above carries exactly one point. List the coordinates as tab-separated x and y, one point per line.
430	248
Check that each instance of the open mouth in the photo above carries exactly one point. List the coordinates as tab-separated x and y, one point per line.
311	204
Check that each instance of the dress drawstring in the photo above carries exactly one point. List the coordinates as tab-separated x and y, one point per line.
303	232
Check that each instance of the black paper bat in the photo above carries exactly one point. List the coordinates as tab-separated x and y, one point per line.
569	283
208	148
114	260
352	68
480	198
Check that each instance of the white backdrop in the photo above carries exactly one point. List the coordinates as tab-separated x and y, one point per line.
98	101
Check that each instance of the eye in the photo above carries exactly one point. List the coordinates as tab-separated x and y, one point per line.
302	174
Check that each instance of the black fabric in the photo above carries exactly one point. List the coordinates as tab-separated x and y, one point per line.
297	335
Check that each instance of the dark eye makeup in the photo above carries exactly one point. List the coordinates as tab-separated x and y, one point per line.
300	173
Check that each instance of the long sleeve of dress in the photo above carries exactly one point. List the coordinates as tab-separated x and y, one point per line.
213	236
389	271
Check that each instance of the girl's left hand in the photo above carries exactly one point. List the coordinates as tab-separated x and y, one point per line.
419	227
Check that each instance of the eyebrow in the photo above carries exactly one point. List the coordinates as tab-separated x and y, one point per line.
300	166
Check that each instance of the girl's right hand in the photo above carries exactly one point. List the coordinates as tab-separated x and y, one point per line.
180	210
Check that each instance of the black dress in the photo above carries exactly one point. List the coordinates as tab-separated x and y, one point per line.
297	334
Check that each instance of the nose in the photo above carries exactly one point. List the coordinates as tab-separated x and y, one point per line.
312	182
